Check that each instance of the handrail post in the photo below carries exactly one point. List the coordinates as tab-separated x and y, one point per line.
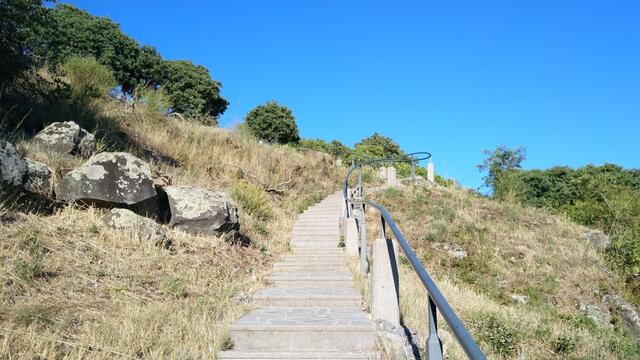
363	240
434	345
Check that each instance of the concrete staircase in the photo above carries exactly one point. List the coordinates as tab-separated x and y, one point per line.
312	311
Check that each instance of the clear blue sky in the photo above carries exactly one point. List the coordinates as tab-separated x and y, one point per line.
561	78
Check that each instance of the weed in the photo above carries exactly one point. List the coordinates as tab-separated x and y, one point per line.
503	338
175	286
252	199
564	344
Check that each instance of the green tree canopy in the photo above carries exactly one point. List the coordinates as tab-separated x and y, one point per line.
499	160
192	91
378	145
21	24
274	123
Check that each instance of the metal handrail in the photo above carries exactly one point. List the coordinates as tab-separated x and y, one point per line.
436	299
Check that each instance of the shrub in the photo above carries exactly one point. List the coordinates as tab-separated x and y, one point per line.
252	199
88	78
502	337
273	123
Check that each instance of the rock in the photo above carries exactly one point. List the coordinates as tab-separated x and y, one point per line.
520	299
200	211
145	228
454	252
596	237
594	312
13	167
110	179
66	138
625	312
39	179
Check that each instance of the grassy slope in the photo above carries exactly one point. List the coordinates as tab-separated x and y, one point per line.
511	250
73	288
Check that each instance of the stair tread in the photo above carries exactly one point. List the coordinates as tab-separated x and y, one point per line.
303	318
297	354
309	293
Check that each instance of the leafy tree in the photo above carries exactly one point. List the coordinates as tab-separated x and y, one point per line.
75	32
273	123
378	145
499	161
21	23
192	91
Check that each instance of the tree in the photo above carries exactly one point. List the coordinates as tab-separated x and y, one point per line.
21	23
192	91
88	78
500	160
75	32
378	145
273	123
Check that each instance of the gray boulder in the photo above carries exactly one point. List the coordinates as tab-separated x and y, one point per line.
13	167
136	225
39	179
627	314
201	211
66	138
109	179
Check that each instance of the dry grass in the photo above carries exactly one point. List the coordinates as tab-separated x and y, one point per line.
511	250
71	288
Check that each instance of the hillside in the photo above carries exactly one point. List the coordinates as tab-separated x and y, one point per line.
526	283
74	288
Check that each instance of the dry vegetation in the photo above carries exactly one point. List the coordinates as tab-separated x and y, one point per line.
511	250
71	288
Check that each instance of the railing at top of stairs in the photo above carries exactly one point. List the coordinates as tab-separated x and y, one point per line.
355	207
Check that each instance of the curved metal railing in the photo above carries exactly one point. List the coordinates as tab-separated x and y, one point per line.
436	300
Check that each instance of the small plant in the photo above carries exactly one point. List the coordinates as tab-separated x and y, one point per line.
32	313
252	199
564	345
175	286
502	337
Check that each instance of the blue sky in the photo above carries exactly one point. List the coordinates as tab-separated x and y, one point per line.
561	78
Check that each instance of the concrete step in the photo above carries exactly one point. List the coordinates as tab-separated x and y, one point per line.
298	355
308	297
303	328
327	250
321	258
314	236
311	279
316	232
298	267
314	244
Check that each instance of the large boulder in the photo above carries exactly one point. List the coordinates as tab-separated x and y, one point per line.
109	179
66	138
136	225
201	211
13	167
39	179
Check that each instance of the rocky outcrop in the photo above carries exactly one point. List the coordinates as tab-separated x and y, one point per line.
627	314
596	237
66	138
110	179
136	225
13	167
201	211
39	179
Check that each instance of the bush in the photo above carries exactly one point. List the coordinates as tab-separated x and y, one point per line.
252	199
88	78
273	123
624	253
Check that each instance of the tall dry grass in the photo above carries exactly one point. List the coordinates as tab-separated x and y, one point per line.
510	250
71	288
